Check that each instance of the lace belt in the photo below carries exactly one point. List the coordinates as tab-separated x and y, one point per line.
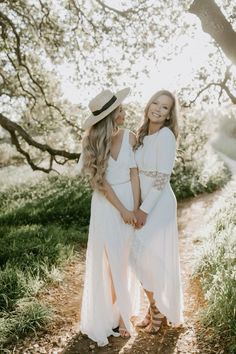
118	183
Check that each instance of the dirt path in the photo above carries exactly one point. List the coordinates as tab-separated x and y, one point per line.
62	336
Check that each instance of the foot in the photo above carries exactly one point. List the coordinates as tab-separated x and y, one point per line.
156	320
124	333
146	320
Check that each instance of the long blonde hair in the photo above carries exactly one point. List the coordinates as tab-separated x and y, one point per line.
172	123
96	146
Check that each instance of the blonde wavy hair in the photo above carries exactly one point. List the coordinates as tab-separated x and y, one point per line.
96	146
172	123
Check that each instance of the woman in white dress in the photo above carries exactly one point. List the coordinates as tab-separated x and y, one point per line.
154	252
108	161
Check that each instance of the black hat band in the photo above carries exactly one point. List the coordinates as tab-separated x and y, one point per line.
106	106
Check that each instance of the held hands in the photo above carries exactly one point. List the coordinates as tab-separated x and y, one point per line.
135	218
141	217
129	217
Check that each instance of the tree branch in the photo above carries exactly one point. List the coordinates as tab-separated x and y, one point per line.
37	84
81	13
118	12
14	128
222	85
34	167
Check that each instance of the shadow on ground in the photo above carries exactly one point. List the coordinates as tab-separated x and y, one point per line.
164	342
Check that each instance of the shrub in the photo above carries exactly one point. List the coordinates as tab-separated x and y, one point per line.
217	270
13	286
225	140
198	169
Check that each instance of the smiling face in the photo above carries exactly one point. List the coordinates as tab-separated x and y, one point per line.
159	109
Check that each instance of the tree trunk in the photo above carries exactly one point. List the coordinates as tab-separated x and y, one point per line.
214	22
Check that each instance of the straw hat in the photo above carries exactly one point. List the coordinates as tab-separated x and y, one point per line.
103	104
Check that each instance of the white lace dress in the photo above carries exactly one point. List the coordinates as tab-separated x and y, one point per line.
109	243
154	252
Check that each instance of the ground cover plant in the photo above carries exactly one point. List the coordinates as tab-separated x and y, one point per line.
216	268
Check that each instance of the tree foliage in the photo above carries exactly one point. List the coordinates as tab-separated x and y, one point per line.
103	43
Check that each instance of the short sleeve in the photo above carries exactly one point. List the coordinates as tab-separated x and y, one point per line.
166	150
132	162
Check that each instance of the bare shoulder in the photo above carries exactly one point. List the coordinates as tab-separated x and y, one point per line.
132	138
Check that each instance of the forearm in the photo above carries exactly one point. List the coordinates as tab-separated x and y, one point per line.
155	192
134	178
112	197
151	200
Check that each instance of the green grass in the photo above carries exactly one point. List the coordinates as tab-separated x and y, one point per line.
13	287
29	246
41	226
29	317
59	200
217	270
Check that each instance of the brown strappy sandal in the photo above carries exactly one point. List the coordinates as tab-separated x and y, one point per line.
146	321
156	320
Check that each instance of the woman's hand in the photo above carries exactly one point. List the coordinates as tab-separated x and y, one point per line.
141	217
128	217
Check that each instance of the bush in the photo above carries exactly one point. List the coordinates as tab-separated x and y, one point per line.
225	140
197	169
217	270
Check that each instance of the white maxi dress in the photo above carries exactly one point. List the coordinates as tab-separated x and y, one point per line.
108	246
154	252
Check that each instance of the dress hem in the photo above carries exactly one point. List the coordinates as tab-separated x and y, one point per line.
104	342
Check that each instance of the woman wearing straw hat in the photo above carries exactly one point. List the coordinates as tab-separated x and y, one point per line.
154	252
108	161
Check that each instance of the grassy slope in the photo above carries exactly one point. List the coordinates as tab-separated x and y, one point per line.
217	270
